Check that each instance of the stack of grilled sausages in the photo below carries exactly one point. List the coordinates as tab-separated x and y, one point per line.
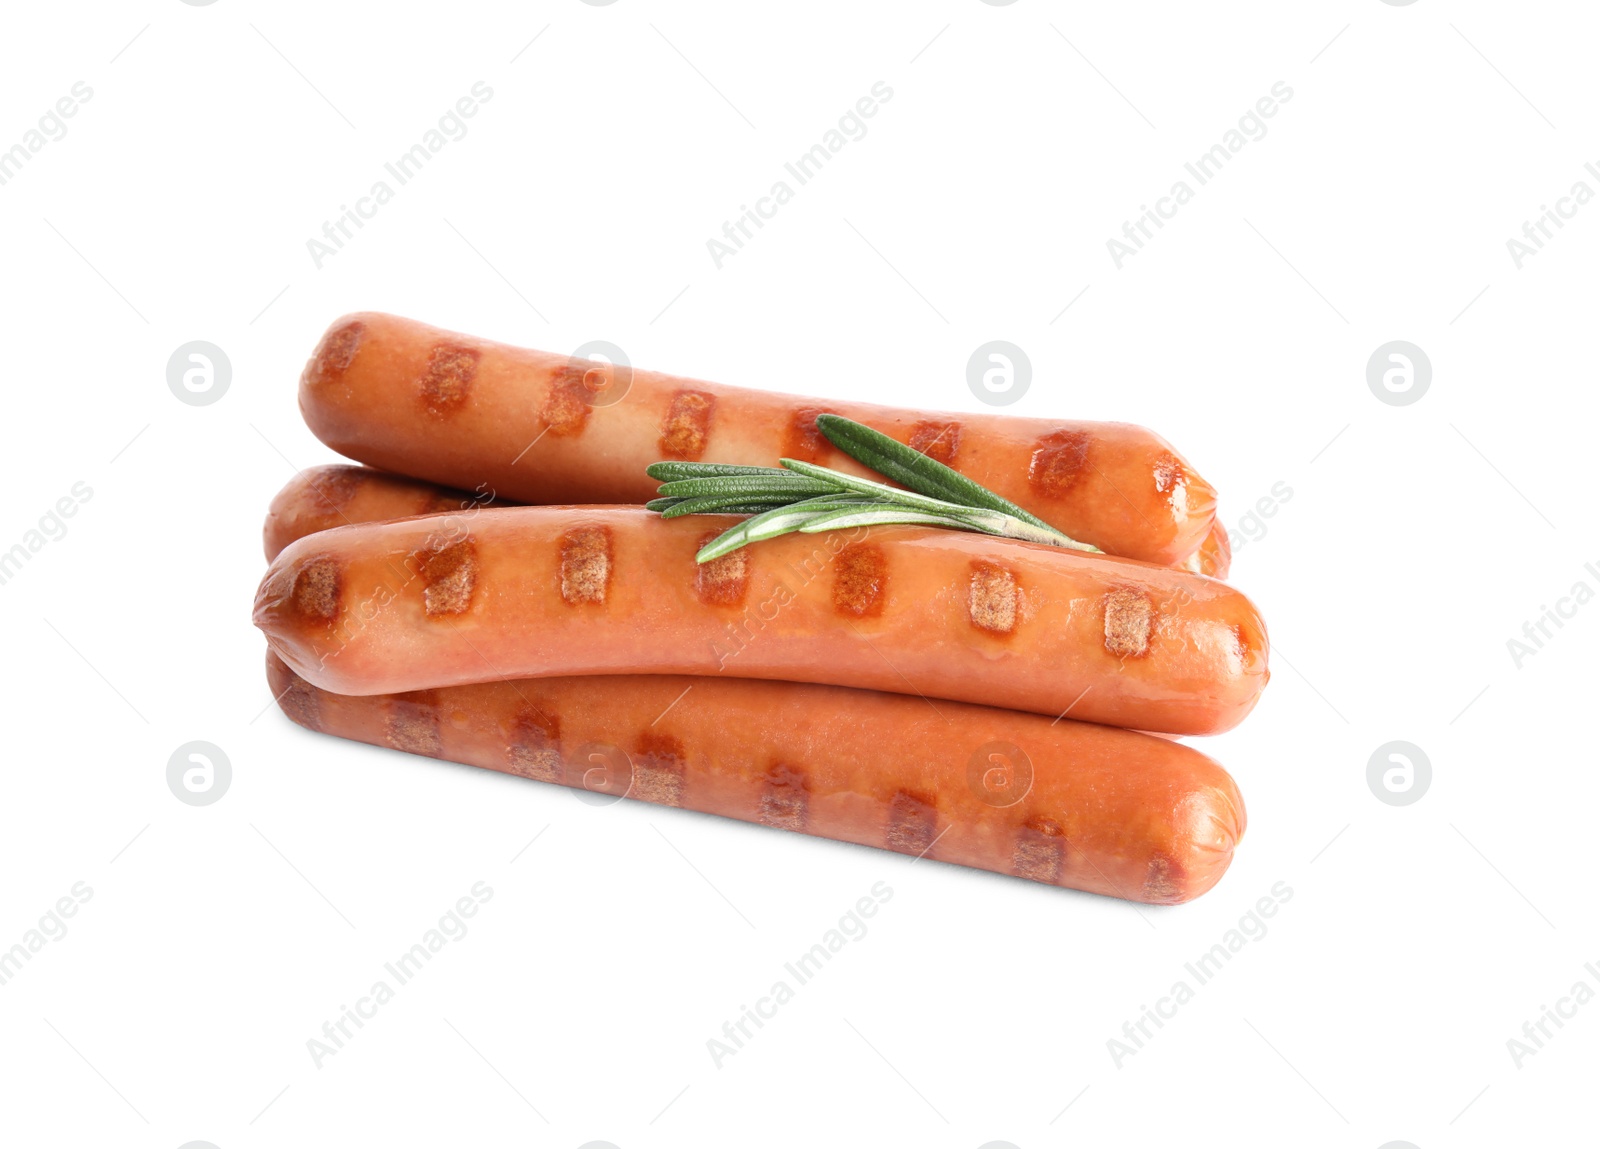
489	589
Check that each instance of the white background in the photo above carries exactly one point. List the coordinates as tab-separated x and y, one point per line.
1417	541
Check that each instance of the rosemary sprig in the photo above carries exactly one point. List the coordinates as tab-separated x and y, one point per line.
804	497
672	469
911	468
783	485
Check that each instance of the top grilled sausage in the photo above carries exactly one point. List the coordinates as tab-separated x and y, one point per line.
544	428
538	591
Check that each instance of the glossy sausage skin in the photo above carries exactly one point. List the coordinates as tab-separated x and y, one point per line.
320	498
1085	807
520	592
339	495
1215	556
543	428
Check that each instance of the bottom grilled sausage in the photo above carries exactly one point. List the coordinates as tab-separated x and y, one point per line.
1068	804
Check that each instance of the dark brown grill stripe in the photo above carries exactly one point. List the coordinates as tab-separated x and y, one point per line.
567	406
333	489
1040	850
992	598
413	723
317	589
1169	473
1129	618
723	581
658	767
802	440
687	424
448	378
912	819
535	749
334	354
860	580
1163	881
449	575
938	441
1060	460
585	564
301	701
785	798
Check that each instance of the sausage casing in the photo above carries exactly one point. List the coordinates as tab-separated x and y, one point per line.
545	428
1085	807
521	592
321	498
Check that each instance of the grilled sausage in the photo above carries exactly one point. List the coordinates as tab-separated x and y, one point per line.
546	591
1089	808
320	498
543	428
338	495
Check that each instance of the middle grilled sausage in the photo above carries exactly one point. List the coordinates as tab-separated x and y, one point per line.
543	591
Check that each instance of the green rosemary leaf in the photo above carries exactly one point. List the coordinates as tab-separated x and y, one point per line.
672	469
872	516
800	496
870	489
783	484
745	509
723	505
1011	527
771	524
913	469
